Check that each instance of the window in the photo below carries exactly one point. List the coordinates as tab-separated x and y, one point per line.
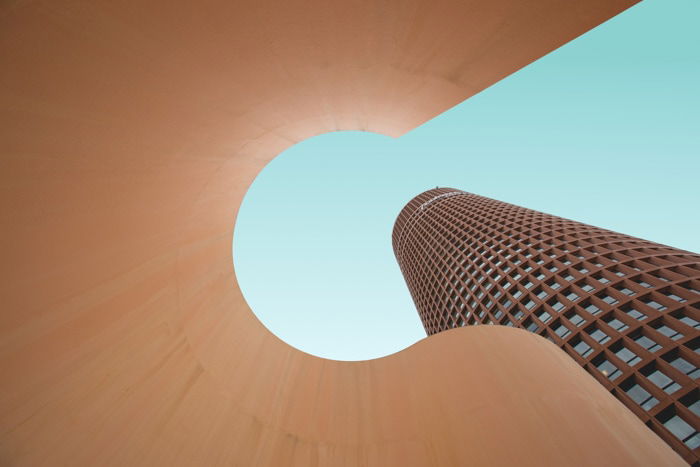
638	394
529	304
556	305
607	298
561	330
682	365
679	427
626	291
571	296
581	347
544	317
693	286
575	319
598	335
541	294
653	304
606	368
673	296
692	401
694	345
615	323
687	320
660	379
601	279
530	325
625	354
643	283
666	330
634	313
591	308
645	342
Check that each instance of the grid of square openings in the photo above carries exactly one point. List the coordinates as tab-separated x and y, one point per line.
626	309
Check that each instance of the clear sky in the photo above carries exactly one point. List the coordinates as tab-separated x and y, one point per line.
604	130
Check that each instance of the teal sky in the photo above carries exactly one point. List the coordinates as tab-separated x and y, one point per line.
604	130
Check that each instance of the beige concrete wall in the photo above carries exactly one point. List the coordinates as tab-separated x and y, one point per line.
129	133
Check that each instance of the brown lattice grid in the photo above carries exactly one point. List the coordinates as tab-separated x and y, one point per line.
626	309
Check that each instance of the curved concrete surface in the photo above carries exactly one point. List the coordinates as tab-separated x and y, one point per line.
130	133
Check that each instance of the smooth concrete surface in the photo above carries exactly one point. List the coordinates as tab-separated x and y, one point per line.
129	133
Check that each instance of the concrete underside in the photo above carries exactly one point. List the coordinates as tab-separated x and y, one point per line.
129	133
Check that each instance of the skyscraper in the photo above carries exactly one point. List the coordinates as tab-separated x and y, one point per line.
626	309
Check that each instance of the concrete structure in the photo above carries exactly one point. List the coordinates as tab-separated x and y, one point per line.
625	309
130	132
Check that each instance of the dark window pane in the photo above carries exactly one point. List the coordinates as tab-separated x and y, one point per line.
661	380
690	321
627	356
544	317
582	348
598	335
680	428
685	367
562	331
607	368
592	309
647	343
640	395
575	319
639	316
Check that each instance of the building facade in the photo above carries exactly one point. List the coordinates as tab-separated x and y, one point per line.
626	309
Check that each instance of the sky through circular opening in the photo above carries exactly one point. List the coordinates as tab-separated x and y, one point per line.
601	131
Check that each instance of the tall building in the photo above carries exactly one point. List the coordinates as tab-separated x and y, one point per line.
625	309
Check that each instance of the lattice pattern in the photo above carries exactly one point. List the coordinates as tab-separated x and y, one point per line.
626	309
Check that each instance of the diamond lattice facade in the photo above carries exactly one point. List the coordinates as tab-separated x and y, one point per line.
626	309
